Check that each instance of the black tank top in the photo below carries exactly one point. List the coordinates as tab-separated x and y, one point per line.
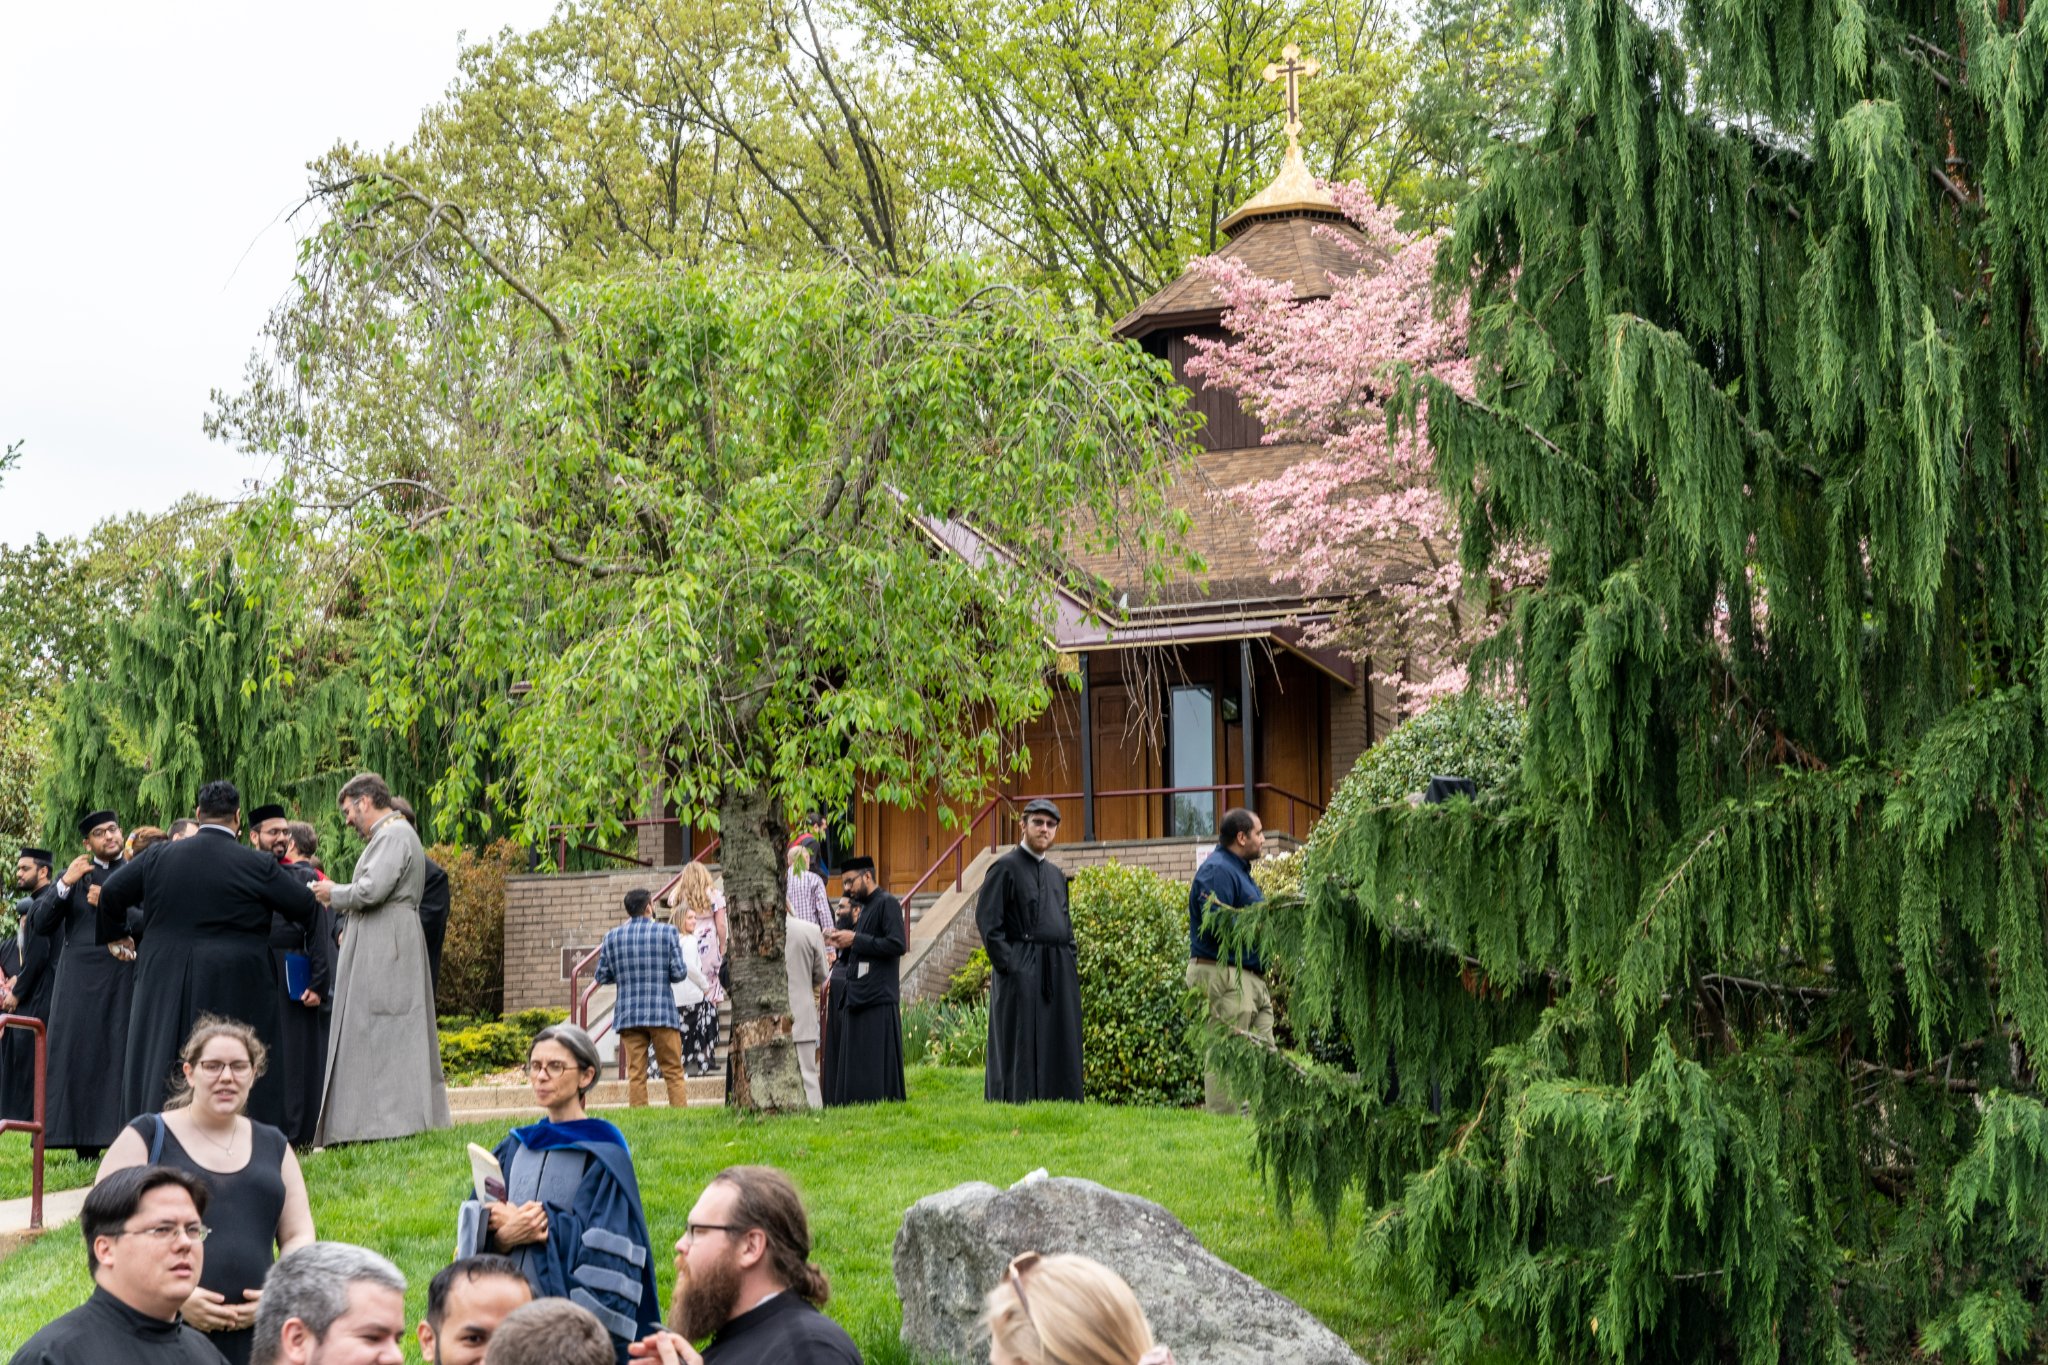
242	1209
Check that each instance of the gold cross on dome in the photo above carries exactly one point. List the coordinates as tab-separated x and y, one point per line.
1292	69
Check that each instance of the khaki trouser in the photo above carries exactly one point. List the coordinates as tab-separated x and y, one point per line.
668	1051
1236	999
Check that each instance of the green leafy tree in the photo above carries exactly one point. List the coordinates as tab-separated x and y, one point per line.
193	691
739	535
1718	1036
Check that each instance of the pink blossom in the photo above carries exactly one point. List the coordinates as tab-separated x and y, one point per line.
1360	521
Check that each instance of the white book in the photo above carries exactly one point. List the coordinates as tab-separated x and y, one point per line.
486	1175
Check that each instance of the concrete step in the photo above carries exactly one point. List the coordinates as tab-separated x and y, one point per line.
466	1100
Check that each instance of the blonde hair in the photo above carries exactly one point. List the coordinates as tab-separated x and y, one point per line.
143	836
1074	1311
208	1028
693	890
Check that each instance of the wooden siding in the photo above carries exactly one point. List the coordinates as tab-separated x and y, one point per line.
1226	426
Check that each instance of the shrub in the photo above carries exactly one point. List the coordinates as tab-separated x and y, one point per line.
970	983
1475	737
474	1048
942	1033
473	953
1130	928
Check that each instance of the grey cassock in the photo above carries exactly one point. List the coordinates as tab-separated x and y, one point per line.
383	1052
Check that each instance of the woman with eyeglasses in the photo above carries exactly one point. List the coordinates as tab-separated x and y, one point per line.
258	1210
568	1212
1067	1310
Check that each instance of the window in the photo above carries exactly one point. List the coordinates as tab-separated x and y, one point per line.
1191	762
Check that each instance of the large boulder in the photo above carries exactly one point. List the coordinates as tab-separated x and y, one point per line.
955	1245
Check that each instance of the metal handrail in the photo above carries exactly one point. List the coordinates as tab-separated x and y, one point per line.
559	837
35	1125
953	851
579	1001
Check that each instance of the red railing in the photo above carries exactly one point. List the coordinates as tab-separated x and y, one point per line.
579	999
956	855
35	1125
559	836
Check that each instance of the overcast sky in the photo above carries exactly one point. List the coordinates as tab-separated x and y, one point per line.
149	153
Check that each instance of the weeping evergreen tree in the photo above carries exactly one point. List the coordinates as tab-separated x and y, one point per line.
1716	1037
194	691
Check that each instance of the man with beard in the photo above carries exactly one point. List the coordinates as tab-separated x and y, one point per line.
465	1304
1034	989
304	957
864	1043
95	987
744	1279
145	1243
207	904
28	974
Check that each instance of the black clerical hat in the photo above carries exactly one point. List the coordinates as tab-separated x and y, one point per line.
857	865
95	820
273	811
41	855
1038	805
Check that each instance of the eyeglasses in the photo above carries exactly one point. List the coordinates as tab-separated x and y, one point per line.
1016	1278
692	1231
167	1232
213	1067
550	1070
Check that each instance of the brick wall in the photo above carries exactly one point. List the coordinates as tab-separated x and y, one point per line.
548	912
1350	728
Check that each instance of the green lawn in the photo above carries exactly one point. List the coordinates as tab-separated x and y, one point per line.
859	1170
61	1170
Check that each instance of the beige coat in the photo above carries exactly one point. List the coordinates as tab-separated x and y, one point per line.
804	953
383	1052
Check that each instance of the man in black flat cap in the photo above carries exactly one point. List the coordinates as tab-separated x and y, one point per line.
1034	991
28	973
864	1038
89	1010
304	960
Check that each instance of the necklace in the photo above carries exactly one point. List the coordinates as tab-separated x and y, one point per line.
226	1148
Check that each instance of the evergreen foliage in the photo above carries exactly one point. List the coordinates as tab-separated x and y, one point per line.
1131	951
1732	1009
193	692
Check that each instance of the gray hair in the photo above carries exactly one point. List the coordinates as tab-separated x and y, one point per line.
312	1284
366	784
579	1044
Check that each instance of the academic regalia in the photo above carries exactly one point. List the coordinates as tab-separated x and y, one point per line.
104	1329
88	1019
302	1031
1034	998
31	961
864	1039
597	1253
786	1330
207	903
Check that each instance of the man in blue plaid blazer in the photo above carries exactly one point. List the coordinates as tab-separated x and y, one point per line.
643	958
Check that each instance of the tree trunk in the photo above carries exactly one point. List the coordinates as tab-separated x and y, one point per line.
751	837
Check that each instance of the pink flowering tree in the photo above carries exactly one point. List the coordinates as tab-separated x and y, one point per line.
1360	522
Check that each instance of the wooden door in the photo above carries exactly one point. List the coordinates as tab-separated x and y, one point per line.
1126	757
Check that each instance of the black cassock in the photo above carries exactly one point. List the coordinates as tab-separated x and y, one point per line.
434	900
786	1330
1034	992
31	960
205	944
302	1030
88	1019
864	1036
103	1330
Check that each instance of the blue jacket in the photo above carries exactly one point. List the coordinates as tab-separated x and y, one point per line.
1226	880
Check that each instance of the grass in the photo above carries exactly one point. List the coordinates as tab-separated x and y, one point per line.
61	1170
860	1169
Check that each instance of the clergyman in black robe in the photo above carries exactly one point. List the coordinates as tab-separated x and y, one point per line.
89	1010
140	1280
302	1014
29	962
1034	991
206	905
864	1040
